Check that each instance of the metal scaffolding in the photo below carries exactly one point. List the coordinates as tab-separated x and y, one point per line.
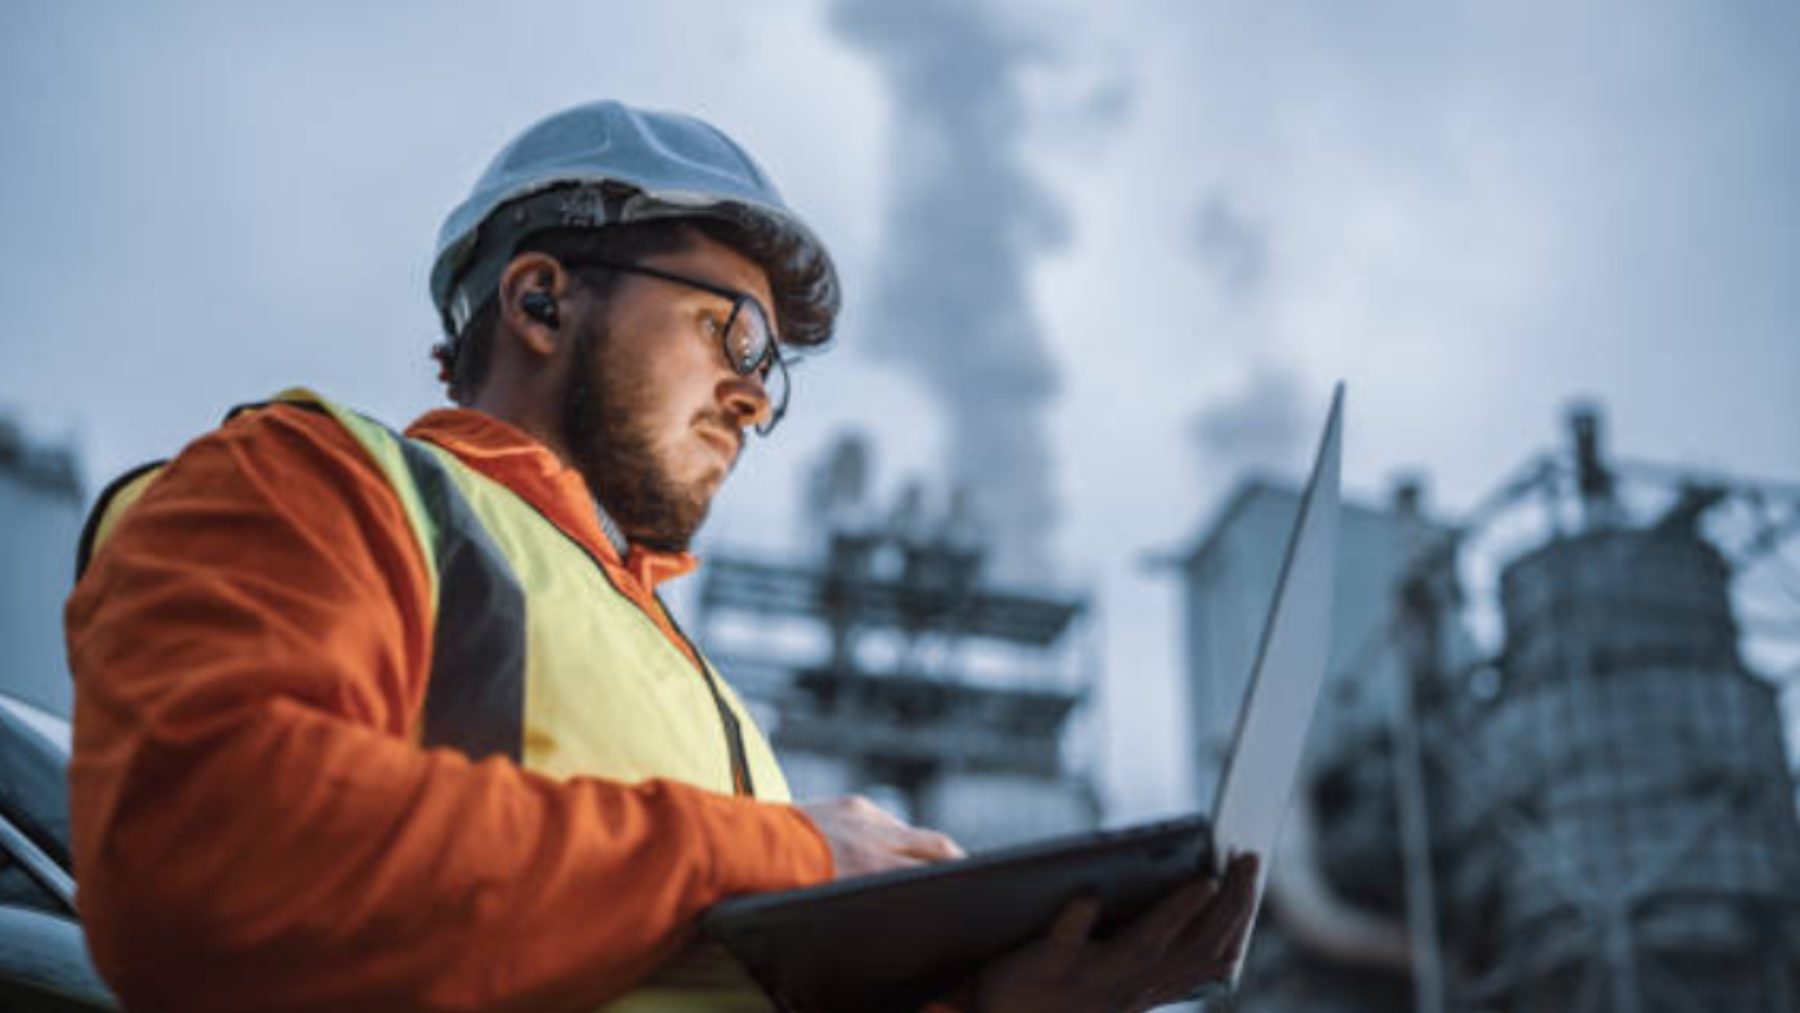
891	658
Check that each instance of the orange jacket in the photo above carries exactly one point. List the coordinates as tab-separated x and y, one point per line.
254	825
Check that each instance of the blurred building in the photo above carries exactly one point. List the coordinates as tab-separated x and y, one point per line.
1229	579
40	523
1595	813
885	662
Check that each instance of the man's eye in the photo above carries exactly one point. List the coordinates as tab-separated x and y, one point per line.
711	324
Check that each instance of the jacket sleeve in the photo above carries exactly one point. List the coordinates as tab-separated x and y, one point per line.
255	826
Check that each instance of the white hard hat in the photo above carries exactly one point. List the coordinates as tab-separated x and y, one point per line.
606	163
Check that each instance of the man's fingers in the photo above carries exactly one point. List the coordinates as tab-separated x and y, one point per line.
1153	933
1190	908
865	838
1247	865
1073	926
865	809
926	845
905	839
1240	894
1218	934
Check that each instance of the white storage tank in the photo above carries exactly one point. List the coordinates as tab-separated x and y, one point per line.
1638	830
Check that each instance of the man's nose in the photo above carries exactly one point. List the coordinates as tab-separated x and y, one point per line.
745	400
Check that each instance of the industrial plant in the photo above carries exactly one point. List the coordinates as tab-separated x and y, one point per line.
1545	776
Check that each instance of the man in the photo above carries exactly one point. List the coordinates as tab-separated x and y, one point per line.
368	721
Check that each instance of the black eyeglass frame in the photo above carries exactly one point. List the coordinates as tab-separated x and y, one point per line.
772	359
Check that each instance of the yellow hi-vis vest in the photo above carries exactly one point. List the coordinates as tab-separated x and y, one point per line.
537	656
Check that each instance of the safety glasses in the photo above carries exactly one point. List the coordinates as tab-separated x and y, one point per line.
748	342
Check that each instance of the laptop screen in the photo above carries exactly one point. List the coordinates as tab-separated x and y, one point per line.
1263	764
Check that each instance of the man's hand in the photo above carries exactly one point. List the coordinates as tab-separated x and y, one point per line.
1188	940
864	838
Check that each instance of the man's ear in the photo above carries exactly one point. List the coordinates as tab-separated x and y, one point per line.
532	286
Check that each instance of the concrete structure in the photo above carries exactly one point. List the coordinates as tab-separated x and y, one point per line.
1228	578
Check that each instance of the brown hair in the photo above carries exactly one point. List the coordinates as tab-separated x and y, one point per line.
806	302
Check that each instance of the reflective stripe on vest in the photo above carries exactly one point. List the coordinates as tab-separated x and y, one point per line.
607	693
475	697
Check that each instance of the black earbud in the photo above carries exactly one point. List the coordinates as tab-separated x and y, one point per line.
541	307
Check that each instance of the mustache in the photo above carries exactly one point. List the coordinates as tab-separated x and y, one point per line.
722	421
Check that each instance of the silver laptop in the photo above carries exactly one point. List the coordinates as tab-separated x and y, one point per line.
896	940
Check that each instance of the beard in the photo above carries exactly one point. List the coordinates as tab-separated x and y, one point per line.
604	427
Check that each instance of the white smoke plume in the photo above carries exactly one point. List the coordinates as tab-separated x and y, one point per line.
965	217
1262	426
1233	249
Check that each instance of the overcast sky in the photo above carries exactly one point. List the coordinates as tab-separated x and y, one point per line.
1472	213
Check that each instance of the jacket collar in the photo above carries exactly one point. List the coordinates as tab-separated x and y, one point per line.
513	458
